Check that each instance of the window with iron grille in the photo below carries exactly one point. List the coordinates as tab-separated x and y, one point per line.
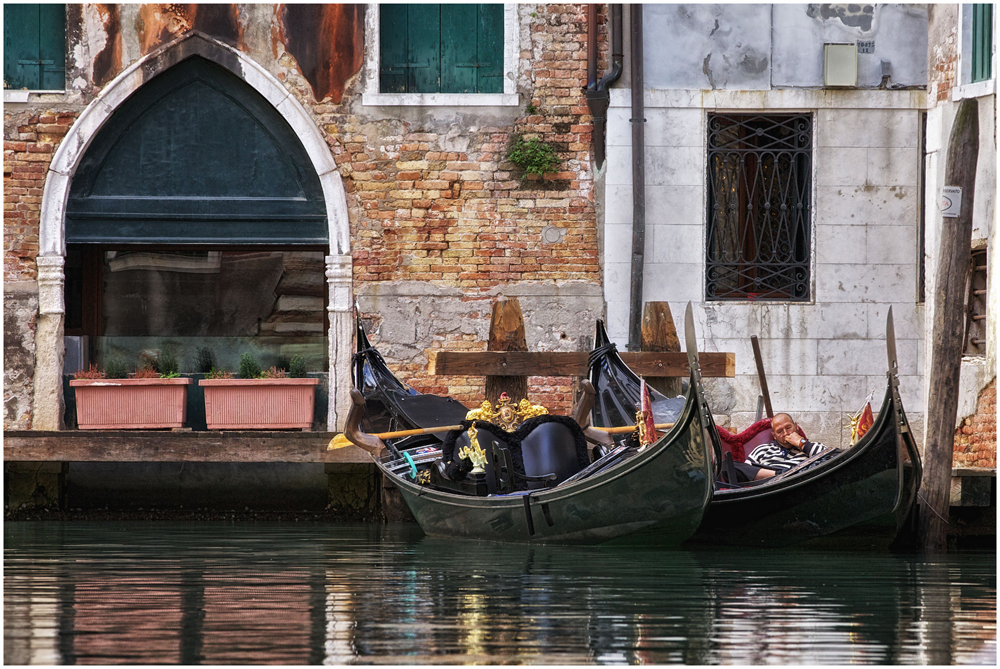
759	188
975	315
441	48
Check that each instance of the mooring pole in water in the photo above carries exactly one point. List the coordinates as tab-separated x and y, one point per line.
507	334
955	248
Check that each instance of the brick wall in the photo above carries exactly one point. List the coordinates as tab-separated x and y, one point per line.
27	151
943	71
429	200
470	219
976	439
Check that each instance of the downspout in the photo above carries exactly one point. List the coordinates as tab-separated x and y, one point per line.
638	183
597	93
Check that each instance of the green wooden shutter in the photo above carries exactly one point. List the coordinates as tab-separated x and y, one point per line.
459	57
392	48
490	34
34	39
451	48
423	34
982	41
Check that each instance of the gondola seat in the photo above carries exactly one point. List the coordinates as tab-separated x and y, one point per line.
542	452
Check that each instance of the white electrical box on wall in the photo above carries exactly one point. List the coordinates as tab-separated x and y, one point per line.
840	64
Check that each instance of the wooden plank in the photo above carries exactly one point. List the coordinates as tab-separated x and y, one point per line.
550	363
159	446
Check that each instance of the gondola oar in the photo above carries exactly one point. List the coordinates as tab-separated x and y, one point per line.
341	440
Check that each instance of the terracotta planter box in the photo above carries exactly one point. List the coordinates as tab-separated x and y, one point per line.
259	404
130	404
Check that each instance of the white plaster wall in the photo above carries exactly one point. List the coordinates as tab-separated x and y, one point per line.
823	357
740	46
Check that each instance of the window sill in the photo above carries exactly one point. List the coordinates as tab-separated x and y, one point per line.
21	95
976	90
440	99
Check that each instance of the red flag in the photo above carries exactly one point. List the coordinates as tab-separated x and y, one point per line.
646	409
866	420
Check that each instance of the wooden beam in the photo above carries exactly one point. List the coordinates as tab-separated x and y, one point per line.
660	336
551	363
161	446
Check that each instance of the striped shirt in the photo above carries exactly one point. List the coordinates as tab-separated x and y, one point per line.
780	459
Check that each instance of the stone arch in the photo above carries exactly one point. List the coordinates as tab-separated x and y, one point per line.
47	404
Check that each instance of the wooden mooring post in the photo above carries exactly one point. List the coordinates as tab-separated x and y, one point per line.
507	334
658	335
955	244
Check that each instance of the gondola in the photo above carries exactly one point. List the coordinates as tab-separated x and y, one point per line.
537	486
866	491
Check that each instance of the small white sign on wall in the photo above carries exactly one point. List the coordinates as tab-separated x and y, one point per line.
951	201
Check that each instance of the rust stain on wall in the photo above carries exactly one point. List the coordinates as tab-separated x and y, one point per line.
108	62
327	42
163	22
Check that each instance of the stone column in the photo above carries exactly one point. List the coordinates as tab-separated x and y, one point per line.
49	346
341	338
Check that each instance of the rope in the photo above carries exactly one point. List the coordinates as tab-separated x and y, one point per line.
928	505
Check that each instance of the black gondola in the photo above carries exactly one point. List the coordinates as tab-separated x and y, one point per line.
867	490
530	490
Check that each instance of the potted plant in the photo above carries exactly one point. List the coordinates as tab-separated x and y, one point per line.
260	400
150	399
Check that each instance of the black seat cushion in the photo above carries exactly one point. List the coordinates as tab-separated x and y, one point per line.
539	446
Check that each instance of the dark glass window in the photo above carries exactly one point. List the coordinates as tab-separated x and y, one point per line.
34	46
441	48
759	185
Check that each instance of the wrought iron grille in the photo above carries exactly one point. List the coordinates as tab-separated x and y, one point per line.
759	187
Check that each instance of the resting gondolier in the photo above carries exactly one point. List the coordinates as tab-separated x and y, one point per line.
785	451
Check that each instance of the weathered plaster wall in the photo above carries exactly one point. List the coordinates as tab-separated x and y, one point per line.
19	316
823	357
763	46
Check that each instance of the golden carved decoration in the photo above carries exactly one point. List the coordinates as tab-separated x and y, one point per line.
506	415
474	452
424	478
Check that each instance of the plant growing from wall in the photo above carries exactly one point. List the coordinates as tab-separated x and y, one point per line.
532	155
249	367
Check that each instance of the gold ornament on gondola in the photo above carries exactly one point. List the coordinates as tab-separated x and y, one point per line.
506	415
474	452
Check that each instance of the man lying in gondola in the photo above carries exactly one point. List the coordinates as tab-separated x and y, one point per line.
787	449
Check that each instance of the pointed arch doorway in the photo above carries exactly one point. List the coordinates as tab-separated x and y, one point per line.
195	206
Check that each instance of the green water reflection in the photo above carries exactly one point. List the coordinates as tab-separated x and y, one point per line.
269	593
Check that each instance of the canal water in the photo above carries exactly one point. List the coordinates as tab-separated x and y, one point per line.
313	593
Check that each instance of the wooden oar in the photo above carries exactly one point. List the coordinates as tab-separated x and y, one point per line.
340	441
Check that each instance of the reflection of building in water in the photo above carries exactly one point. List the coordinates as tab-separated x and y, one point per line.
340	622
31	621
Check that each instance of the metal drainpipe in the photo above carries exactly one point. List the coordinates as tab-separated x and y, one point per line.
638	183
597	93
